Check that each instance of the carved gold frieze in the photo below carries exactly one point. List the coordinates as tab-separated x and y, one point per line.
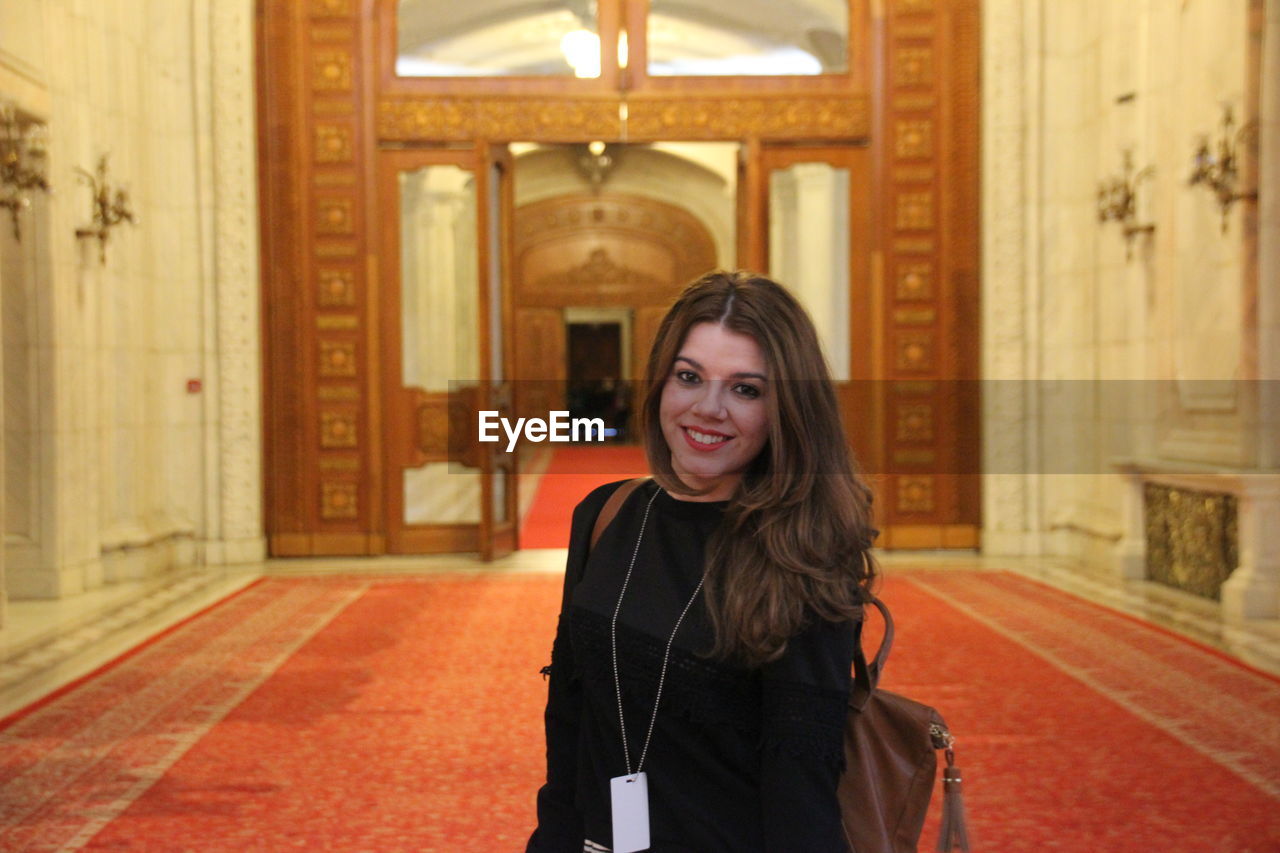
913	387
333	143
339	500
599	270
334	216
332	8
342	33
331	180
433	427
337	288
913	138
339	322
913	174
914	457
333	107
914	351
914	211
336	249
913	245
914	102
458	118
1192	538
915	30
338	430
337	358
915	316
338	393
331	70
915	422
913	66
915	493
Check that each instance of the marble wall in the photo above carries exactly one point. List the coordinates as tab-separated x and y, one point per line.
131	389
1114	360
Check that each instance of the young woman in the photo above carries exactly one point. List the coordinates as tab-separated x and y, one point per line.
705	641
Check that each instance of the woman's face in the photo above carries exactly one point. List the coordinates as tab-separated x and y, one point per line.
713	409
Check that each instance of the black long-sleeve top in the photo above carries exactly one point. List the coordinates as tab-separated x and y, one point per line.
741	759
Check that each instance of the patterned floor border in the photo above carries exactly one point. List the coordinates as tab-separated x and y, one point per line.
1215	706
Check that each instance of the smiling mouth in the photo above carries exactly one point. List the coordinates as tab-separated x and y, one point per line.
705	439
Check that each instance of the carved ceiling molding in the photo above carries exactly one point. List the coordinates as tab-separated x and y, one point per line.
553	119
599	270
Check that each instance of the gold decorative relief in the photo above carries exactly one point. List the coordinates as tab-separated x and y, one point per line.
907	7
913	138
914	457
346	464
913	66
914	387
913	174
914	351
915	422
339	500
921	103
337	288
333	143
334	216
331	70
915	316
332	8
337	429
337	322
337	358
913	245
342	33
599	270
433	427
925	29
915	211
1192	538
826	117
338	393
915	493
720	118
344	249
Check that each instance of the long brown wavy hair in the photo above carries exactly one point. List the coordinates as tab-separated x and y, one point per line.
796	535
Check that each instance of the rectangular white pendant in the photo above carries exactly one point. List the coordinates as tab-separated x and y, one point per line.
630	812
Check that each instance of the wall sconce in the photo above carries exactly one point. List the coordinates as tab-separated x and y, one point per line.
1118	201
22	162
1218	170
109	210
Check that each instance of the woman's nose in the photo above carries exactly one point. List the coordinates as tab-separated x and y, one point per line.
710	402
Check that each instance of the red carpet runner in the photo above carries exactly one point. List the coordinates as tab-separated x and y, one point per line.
572	472
405	714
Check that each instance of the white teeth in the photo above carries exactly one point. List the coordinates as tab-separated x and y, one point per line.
703	438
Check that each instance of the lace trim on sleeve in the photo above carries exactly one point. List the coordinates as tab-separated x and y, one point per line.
805	722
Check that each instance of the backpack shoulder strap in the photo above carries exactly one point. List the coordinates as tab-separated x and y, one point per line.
610	509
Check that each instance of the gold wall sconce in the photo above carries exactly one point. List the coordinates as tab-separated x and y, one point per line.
23	151
1216	167
1118	202
109	208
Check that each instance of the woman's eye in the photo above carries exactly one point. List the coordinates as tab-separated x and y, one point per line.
749	391
686	376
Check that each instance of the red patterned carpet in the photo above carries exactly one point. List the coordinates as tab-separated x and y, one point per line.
572	472
405	714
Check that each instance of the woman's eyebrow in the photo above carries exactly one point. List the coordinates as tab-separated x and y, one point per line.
738	375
